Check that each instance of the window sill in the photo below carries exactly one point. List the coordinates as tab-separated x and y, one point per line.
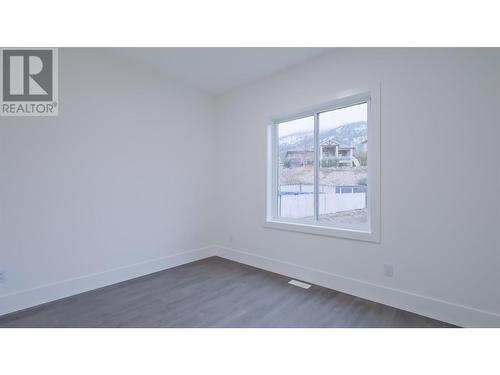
323	231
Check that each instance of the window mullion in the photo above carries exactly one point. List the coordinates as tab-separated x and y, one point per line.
316	166
276	172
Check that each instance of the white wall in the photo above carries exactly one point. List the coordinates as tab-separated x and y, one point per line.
120	179
440	206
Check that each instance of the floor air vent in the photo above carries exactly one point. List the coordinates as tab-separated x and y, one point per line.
300	284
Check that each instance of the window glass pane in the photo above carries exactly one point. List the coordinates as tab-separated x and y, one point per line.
343	172
296	168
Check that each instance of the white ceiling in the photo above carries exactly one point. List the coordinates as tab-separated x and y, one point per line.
217	70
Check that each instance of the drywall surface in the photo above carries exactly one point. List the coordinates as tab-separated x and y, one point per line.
440	134
121	177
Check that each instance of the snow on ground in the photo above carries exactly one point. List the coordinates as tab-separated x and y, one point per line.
328	176
346	217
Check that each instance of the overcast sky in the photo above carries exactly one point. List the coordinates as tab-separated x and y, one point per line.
327	120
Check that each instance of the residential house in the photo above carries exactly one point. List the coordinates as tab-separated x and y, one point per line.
342	156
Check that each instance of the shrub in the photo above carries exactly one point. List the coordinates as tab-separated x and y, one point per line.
362	181
363	160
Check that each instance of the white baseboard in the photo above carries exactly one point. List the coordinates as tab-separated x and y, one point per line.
463	316
50	292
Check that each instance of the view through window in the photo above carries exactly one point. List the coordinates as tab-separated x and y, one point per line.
340	162
296	168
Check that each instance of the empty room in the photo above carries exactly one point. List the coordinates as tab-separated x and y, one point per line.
222	186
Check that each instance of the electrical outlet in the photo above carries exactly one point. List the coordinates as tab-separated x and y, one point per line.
3	276
388	270
230	239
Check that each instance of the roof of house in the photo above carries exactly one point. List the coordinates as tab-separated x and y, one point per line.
333	142
299	152
330	142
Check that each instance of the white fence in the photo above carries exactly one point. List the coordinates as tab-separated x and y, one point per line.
302	205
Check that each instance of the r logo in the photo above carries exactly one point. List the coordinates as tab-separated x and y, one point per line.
29	82
27	75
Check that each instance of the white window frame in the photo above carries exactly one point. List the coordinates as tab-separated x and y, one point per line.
369	95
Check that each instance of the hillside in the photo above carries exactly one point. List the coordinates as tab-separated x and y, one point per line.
347	135
351	134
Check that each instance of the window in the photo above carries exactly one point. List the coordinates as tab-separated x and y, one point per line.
323	169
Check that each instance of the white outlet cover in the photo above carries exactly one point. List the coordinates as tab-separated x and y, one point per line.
388	270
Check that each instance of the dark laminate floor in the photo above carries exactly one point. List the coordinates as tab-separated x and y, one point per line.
214	292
